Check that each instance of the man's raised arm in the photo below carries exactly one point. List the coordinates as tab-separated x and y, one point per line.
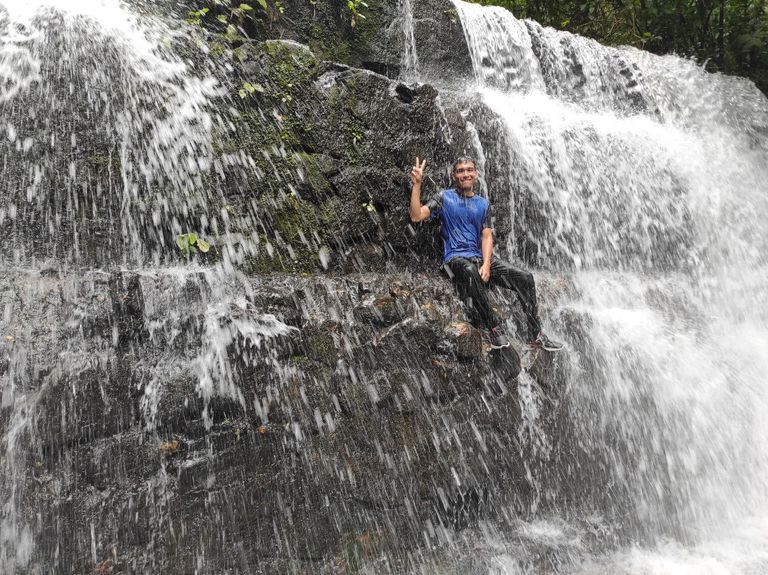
418	212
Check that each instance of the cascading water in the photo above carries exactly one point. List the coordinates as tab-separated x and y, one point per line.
644	177
409	65
108	159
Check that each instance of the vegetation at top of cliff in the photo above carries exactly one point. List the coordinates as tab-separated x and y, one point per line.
730	36
234	13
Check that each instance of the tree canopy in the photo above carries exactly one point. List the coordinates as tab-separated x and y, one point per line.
730	36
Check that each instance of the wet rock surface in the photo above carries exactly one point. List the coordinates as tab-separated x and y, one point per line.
365	413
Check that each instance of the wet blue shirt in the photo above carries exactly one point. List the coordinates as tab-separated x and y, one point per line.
463	220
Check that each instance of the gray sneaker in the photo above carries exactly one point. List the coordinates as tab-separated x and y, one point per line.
498	339
543	342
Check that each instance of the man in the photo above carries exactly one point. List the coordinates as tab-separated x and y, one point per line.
468	252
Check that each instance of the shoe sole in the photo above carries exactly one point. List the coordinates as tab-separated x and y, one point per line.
545	348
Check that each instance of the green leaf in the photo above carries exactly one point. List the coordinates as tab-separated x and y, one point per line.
182	241
246	7
242	93
232	34
249	87
192	238
203	246
221	18
263	4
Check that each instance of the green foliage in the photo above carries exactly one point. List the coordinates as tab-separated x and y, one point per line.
356	7
249	88
195	17
190	244
728	35
272	8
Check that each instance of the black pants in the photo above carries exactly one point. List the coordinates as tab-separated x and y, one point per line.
474	291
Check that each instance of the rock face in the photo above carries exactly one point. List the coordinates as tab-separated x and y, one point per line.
336	170
309	397
340	417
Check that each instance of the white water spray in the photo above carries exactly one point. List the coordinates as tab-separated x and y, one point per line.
645	177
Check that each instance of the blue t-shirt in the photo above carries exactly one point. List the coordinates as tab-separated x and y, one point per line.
463	220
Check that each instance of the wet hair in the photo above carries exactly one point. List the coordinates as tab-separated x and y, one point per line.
463	160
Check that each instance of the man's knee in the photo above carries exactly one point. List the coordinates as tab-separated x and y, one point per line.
506	269
528	279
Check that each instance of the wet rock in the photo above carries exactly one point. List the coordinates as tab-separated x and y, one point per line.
506	363
440	44
341	141
360	429
321	342
384	311
464	340
365	257
128	307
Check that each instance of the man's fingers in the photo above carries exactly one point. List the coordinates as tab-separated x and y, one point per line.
424	163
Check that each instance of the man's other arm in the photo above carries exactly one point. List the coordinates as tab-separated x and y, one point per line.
417	211
486	245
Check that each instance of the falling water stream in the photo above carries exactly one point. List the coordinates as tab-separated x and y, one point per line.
645	178
409	65
107	136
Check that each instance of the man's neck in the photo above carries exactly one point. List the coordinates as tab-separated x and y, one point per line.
467	194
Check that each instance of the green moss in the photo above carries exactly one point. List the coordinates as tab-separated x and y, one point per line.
216	49
297	222
304	260
325	42
303	217
101	161
367	28
318	183
322	348
342	105
290	65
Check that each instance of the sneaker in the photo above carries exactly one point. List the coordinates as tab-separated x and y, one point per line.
498	339
543	342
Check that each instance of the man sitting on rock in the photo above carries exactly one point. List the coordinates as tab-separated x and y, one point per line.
468	252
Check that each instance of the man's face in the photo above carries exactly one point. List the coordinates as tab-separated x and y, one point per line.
465	176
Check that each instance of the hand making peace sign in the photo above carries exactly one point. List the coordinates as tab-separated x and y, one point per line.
417	173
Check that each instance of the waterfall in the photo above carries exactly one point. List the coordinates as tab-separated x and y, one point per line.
409	64
133	180
108	135
500	48
160	410
643	179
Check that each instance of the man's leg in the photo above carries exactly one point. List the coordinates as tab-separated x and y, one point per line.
472	290
522	282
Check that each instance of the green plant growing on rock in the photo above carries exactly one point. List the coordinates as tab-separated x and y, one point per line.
356	7
190	244
369	205
248	89
195	17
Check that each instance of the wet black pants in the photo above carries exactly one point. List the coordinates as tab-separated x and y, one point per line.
473	291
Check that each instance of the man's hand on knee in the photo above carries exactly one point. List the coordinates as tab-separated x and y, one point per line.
485	272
